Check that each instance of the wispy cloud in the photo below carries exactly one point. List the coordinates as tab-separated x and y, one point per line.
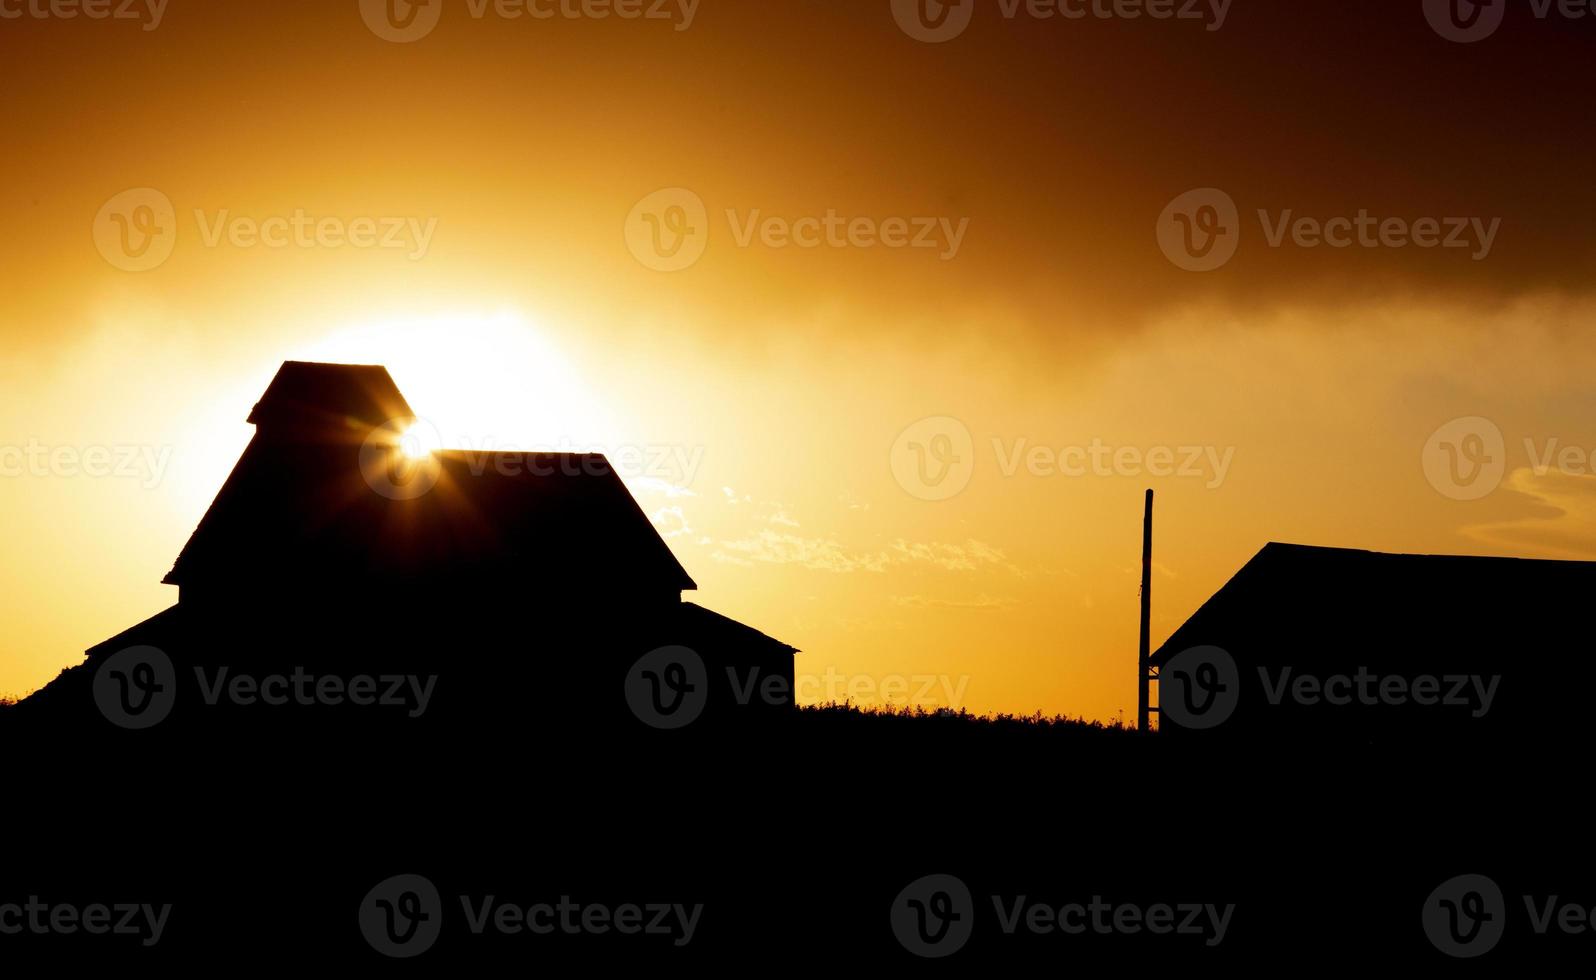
851	502
664	488
827	554
982	601
1565	526
965	557
821	554
671	522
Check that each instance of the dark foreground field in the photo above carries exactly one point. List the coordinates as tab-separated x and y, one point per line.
799	845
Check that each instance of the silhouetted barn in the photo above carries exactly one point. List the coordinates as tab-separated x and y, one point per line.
1505	640
527	583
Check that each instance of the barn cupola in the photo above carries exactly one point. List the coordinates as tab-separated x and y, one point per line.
309	402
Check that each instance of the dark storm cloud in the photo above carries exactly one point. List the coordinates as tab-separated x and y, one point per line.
1368	156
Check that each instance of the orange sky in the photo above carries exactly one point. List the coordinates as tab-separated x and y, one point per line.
768	392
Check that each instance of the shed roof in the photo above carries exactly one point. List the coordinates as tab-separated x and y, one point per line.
1293	588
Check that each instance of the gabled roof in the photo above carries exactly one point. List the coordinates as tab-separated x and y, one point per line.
298	505
308	393
1293	587
710	623
153	631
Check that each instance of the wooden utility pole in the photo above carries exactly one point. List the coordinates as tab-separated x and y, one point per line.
1142	709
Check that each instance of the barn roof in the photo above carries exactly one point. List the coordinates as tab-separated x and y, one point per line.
1290	590
299	505
707	622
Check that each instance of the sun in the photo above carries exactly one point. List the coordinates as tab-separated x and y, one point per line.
477	382
418	441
